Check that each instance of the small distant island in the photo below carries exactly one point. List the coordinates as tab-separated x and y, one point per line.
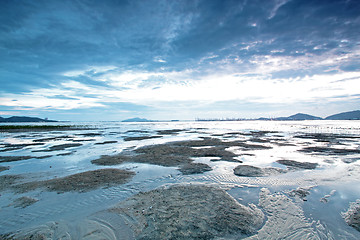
137	120
20	119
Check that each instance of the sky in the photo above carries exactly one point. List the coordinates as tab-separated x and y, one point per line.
89	60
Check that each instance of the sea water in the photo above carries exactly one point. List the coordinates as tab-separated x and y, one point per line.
336	173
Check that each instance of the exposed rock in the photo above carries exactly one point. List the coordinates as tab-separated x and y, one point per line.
352	215
188	212
252	171
194	168
296	164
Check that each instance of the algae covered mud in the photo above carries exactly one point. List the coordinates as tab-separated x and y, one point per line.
181	180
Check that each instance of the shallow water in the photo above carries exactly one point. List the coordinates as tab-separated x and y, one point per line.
339	172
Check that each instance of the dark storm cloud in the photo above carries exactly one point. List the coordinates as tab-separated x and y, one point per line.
51	37
46	43
54	36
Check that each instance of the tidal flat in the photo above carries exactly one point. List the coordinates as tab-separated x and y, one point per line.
181	180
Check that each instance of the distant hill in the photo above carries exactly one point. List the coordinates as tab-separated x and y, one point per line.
300	117
24	119
353	115
137	120
295	117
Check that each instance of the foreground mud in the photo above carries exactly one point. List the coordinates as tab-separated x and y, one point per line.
80	182
189	212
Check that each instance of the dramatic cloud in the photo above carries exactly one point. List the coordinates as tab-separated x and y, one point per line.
178	59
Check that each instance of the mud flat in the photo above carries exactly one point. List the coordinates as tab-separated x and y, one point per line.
296	164
352	215
23	202
59	147
189	212
300	193
105	142
252	171
11	147
325	137
14	158
170	131
285	219
194	168
2	168
40	128
140	138
6	181
330	151
170	154
215	142
80	182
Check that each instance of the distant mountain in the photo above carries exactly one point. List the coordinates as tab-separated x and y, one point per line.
24	119
353	115
137	120
302	116
295	117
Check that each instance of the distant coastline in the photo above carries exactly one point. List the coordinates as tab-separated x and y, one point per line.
20	119
352	115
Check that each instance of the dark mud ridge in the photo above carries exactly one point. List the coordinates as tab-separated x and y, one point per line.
352	215
188	212
140	138
252	171
12	147
19	158
105	142
329	150
177	154
2	168
80	182
23	202
59	147
295	164
194	168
